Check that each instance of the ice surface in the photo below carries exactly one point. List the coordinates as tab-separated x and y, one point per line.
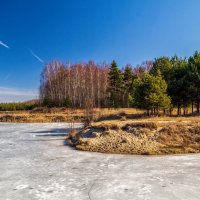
34	164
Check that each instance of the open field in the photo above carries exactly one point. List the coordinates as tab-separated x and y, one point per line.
61	115
36	165
47	115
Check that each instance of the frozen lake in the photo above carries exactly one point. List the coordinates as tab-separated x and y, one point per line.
34	164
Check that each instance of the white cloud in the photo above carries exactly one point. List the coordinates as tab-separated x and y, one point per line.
17	94
36	56
4	45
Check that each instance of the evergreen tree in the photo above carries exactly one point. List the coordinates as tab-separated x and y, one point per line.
194	71
115	77
164	65
177	85
151	93
128	86
175	73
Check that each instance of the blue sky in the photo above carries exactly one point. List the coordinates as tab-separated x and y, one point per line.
129	31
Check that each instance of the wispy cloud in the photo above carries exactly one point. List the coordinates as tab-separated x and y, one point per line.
4	45
35	55
17	94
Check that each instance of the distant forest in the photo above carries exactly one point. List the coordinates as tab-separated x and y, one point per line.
159	85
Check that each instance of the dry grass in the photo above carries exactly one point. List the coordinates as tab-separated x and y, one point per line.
142	136
106	115
43	115
121	130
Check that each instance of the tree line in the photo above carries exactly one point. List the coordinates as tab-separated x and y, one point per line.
159	85
71	85
19	106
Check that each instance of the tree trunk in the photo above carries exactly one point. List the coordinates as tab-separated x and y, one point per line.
192	107
178	111
198	107
184	109
164	112
170	112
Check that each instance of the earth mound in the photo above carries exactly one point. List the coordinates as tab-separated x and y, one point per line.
142	138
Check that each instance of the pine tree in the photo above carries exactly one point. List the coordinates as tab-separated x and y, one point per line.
177	87
150	93
115	86
194	69
128	86
164	65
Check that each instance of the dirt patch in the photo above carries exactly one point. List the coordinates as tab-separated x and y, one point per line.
147	138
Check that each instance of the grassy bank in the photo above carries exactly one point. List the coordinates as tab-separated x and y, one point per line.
153	136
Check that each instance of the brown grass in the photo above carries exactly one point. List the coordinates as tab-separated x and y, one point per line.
121	130
43	115
146	136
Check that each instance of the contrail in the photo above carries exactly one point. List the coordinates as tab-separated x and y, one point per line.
36	56
4	45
